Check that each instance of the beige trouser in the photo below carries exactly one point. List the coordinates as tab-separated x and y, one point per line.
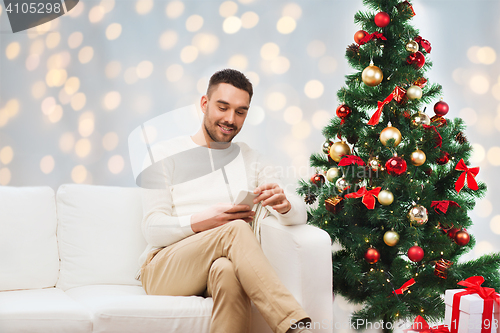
228	264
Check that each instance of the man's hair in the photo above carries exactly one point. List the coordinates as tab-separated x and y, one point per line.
232	77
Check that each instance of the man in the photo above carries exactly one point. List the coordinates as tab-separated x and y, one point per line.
201	244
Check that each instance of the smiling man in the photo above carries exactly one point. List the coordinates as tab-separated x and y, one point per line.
199	243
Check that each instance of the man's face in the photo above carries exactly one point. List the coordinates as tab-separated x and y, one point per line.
225	112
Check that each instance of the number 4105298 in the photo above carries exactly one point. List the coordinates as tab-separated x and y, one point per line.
34	8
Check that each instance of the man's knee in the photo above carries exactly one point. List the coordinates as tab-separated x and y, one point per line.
238	225
222	268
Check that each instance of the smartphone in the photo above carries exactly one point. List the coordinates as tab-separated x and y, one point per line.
245	198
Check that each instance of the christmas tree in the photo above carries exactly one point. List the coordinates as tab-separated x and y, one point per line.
398	183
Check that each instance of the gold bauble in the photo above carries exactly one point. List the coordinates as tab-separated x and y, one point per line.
391	238
390	133
418	214
414	92
417	158
419	119
374	163
412	46
338	149
372	75
385	197
332	173
341	184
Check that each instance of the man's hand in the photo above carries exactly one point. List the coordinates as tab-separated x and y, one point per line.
220	214
274	196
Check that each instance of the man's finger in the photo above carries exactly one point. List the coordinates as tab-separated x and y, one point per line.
266	194
238	208
264	187
274	200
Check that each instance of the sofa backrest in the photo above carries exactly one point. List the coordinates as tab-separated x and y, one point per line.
28	244
99	235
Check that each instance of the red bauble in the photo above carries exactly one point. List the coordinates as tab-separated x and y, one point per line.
382	19
441	108
343	111
415	253
452	232
372	255
445	158
462	237
416	59
359	35
318	179
395	166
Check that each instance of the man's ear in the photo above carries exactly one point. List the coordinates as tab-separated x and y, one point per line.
203	103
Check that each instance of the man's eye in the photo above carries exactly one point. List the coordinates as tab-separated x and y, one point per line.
240	113
222	109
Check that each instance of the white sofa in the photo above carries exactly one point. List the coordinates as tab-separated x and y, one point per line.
68	262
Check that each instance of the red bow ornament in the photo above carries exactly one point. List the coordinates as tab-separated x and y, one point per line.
424	43
420	325
368	196
404	287
443	205
473	286
369	37
469	173
351	159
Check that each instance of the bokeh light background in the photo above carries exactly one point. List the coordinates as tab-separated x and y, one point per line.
73	89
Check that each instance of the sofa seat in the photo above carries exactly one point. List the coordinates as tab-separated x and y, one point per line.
42	311
123	309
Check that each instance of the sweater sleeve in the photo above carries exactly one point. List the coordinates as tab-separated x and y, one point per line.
160	226
267	173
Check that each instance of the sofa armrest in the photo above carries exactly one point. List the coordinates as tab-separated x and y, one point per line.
302	258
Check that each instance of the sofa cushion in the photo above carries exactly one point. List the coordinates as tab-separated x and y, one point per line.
123	309
42	311
28	244
99	235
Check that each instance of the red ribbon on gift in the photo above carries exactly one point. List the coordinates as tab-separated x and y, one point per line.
473	286
443	205
404	287
368	196
397	94
439	138
420	325
469	173
351	159
369	37
424	43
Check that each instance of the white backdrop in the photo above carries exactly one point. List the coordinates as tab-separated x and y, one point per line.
72	90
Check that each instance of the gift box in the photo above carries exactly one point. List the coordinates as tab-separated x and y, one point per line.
470	311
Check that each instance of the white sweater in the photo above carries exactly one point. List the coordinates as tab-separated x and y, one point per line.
192	180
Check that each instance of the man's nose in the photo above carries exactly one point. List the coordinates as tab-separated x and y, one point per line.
229	117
